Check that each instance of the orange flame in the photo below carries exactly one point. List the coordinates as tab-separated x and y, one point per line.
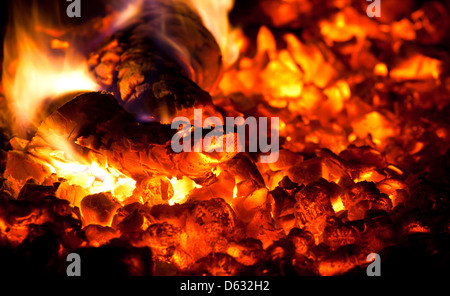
38	68
214	14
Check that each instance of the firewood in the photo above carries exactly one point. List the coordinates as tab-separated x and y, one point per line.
379	232
22	166
162	63
123	213
326	165
131	223
34	191
105	132
303	240
413	222
341	261
279	258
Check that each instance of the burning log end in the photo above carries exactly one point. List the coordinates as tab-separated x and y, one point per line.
94	126
154	74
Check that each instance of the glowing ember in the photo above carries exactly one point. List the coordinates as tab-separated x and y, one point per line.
364	149
181	188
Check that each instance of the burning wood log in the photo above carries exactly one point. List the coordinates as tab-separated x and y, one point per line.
362	167
93	125
154	64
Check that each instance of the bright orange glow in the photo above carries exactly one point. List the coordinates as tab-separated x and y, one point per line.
181	188
380	69
417	67
338	205
311	60
214	14
88	172
348	23
375	124
58	44
33	75
282	78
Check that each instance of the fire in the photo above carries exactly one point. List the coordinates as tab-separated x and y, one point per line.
338	205
417	67
87	171
280	80
94	178
128	13
214	14
181	188
37	69
353	96
375	124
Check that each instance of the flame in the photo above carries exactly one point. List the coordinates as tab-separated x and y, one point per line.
181	188
127	14
95	178
280	80
346	24
87	171
34	72
37	69
214	14
235	191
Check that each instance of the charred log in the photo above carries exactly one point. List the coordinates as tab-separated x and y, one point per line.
100	128
162	63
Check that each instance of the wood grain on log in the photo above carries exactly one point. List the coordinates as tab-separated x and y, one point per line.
160	64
